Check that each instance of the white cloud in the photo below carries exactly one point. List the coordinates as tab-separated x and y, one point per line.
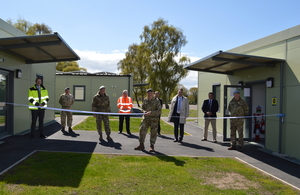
95	61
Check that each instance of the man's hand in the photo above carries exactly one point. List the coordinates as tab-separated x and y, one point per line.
147	113
208	113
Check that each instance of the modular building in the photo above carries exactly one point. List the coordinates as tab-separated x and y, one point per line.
84	86
22	59
267	73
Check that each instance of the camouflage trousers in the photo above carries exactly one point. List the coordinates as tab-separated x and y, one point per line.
105	119
66	116
236	125
146	123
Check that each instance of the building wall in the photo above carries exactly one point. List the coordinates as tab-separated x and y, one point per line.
22	116
282	45
114	87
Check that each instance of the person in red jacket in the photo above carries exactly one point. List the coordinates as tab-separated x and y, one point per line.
124	105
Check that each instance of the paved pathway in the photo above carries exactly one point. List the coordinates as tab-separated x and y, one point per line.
17	147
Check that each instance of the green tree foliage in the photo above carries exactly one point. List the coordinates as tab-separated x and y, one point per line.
136	62
29	28
164	41
69	66
193	95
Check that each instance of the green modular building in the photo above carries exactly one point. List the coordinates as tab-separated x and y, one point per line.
267	73
84	86
22	59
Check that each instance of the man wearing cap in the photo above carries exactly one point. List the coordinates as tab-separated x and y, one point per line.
151	108
237	108
101	103
66	100
124	105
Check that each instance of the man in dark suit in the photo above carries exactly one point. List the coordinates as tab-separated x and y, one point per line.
210	108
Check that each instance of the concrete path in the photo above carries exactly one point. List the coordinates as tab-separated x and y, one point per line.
17	147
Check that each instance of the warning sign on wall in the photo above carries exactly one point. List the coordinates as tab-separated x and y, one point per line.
274	101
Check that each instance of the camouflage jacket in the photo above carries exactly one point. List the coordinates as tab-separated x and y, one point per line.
66	101
238	107
101	103
152	105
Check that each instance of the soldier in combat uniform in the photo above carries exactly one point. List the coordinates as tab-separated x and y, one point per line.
152	108
101	103
237	108
66	100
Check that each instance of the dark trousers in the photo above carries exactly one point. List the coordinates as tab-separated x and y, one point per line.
158	128
121	120
35	114
181	127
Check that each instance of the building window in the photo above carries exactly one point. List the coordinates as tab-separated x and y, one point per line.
79	92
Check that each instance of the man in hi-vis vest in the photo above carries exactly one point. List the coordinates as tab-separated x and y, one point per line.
124	105
37	96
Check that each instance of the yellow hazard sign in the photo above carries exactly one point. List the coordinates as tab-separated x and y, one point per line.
274	101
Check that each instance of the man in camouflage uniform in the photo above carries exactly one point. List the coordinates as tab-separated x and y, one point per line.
238	108
152	108
66	100
101	103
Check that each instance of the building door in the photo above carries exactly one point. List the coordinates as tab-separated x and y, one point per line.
245	94
4	81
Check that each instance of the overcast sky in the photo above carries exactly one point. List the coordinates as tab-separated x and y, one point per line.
100	31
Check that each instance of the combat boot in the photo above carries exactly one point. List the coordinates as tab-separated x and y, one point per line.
101	137
63	129
140	147
151	148
70	130
232	148
109	138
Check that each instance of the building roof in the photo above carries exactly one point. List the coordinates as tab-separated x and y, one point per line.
83	73
227	63
38	48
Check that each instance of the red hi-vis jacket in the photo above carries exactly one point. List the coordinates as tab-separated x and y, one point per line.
124	104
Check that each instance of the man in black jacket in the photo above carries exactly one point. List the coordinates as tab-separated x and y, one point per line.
210	108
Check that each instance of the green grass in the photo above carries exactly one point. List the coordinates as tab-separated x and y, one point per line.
81	173
165	113
89	124
2	119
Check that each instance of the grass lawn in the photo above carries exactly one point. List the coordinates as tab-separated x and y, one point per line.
89	124
165	113
82	173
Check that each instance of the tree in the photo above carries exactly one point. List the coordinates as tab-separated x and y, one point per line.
164	41
136	62
193	95
29	28
69	66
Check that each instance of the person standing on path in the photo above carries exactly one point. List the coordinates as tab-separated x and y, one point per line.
151	108
125	105
161	103
179	111
210	108
37	96
66	100
237	108
101	103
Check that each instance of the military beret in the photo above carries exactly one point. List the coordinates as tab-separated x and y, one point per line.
236	91
102	87
149	90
